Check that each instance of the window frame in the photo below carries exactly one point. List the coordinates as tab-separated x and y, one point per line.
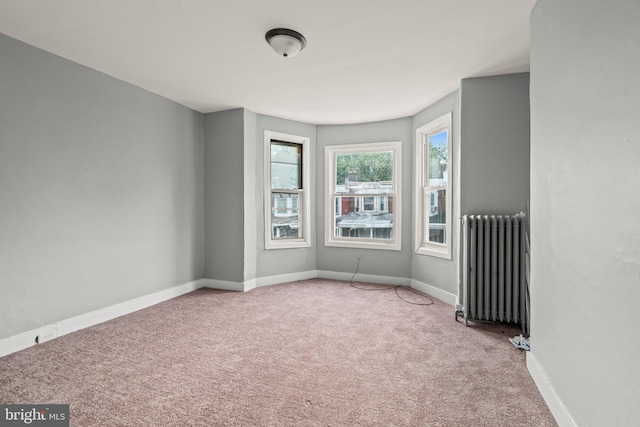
424	246
331	152
304	193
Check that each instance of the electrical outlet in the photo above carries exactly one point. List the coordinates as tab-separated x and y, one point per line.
47	334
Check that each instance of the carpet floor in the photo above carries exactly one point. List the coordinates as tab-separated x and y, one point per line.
309	353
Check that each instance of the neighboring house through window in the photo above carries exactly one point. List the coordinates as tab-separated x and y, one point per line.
433	189
287	198
363	187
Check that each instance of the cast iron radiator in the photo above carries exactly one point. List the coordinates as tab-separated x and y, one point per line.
495	269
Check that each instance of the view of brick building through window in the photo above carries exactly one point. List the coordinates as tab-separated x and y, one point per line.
364	209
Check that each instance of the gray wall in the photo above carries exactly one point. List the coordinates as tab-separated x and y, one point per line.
377	262
101	185
438	272
495	144
585	182
251	182
225	187
282	261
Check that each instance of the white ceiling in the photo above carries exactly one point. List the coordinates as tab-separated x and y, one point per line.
366	60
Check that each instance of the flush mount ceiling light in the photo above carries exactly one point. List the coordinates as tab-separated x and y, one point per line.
285	42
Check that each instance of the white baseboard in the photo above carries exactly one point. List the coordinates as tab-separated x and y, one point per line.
27	339
557	408
366	278
224	285
260	281
305	275
285	278
18	342
250	284
443	296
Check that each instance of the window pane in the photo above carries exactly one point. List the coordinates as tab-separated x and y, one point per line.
282	152
436	202
438	152
285	223
369	203
286	165
353	220
364	173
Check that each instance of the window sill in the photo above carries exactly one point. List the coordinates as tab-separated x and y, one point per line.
438	253
290	244
364	244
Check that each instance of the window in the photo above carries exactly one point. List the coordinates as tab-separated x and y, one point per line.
363	187
433	189
287	207
369	203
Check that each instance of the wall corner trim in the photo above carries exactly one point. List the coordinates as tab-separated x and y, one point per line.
557	408
284	278
438	293
224	285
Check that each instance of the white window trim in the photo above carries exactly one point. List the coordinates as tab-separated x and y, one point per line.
330	152
305	194
440	250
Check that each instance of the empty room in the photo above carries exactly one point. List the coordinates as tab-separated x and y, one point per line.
319	213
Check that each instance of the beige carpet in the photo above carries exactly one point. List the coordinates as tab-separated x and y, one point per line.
309	353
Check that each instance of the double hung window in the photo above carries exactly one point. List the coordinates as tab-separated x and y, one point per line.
363	188
286	195
433	172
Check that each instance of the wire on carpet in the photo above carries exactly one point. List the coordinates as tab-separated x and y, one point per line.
366	289
394	287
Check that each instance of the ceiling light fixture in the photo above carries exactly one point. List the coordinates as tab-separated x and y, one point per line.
285	42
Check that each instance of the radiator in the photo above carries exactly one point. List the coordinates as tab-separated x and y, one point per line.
495	269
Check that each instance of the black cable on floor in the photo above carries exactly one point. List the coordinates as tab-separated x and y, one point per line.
431	301
365	289
394	287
